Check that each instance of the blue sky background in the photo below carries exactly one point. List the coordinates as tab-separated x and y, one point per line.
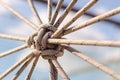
75	67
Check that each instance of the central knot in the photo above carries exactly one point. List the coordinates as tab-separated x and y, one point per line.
39	41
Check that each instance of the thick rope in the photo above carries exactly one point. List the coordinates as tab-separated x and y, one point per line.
39	41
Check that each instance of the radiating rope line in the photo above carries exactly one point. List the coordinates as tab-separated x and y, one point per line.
60	69
92	21
75	17
13	50
53	71
32	67
27	62
66	11
91	68
49	9
85	42
18	38
34	11
18	15
15	66
94	63
54	16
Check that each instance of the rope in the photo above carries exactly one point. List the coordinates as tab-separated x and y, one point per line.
93	62
39	41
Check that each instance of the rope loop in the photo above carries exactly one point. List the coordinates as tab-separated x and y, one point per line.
39	42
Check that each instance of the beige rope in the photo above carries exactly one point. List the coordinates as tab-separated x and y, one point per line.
33	67
66	11
49	9
85	42
75	17
13	50
34	11
15	66
60	69
53	71
18	15
54	16
27	62
6	36
92	21
94	63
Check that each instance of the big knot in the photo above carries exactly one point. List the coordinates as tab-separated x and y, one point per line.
39	42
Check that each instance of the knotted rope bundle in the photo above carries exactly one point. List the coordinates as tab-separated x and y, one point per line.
39	39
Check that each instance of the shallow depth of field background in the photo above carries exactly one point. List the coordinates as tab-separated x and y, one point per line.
75	67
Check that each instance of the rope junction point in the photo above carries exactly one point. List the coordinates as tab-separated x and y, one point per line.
38	41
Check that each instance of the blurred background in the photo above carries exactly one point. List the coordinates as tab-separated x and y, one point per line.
74	66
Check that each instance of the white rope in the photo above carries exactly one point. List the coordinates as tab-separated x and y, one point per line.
66	11
18	38
85	42
93	62
60	69
15	66
27	62
18	15
34	11
75	17
13	50
32	67
49	10
54	16
92	21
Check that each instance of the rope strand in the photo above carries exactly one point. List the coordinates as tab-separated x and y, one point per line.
18	38
34	11
92	62
92	21
54	16
85	42
13	51
66	11
27	62
60	69
18	15
75	17
15	66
